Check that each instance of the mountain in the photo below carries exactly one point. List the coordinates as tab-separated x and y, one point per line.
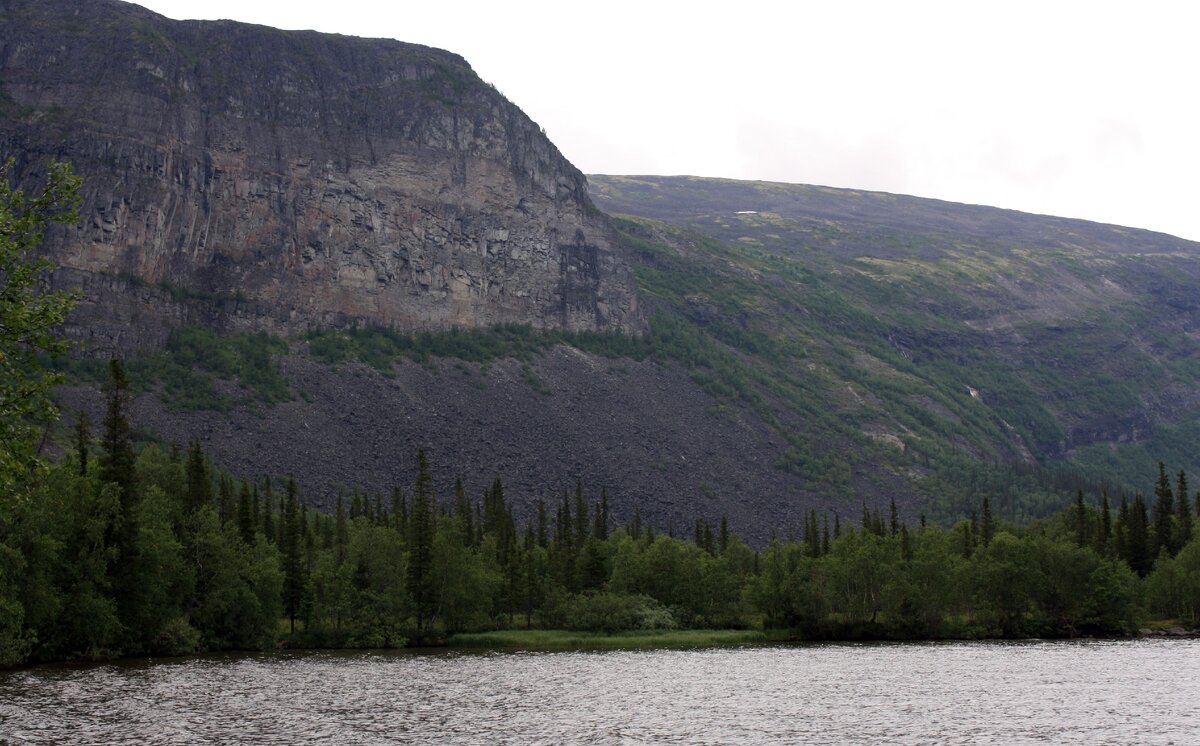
294	180
318	254
926	338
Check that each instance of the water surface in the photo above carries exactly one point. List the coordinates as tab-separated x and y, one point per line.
1134	692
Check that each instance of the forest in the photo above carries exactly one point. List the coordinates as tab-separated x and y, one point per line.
121	551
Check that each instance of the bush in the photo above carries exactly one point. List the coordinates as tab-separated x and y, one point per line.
616	612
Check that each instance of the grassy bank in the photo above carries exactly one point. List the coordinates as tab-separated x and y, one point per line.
539	639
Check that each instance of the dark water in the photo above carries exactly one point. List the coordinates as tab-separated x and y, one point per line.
1132	692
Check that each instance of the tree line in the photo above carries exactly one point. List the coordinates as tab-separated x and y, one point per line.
154	551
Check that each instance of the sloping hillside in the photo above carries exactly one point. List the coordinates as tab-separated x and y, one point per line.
923	337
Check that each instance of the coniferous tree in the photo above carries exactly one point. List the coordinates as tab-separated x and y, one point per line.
1121	532
291	547
199	483
635	525
228	509
245	514
600	527
825	534
895	518
117	466
463	512
1140	558
268	512
341	535
83	438
543	538
1104	531
1080	516
1183	516
581	515
400	510
1163	515
723	536
987	526
420	547
117	461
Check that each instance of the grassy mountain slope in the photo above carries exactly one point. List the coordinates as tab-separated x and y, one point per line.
905	344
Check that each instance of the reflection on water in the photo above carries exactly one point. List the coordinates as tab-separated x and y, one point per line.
1136	692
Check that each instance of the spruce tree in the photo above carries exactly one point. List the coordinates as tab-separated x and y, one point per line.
199	483
1183	516
895	519
581	515
245	514
83	438
987	526
117	461
1164	516
291	546
543	538
268	512
1080	516
1140	558
723	536
1104	532
117	467
420	547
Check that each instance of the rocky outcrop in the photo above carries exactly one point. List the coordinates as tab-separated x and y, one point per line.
246	177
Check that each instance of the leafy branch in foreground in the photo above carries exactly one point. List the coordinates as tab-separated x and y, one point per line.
29	313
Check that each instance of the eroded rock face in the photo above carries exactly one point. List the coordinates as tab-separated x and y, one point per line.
245	177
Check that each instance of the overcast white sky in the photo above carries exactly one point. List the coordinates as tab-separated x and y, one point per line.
1088	110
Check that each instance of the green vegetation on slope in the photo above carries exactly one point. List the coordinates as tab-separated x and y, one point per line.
908	342
187	371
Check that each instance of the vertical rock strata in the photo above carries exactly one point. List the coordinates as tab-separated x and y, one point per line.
251	178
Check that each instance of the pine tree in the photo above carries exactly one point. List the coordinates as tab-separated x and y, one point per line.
1121	532
1164	515
83	437
199	483
117	467
600	525
463	512
987	526
1080	520
723	536
268	512
341	536
291	546
420	547
1139	546
225	498
895	522
245	514
117	461
581	515
1104	533
1183	516
543	538
825	534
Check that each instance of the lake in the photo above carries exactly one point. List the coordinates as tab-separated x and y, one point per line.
1127	691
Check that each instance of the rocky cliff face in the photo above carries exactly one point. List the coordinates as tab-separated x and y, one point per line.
245	177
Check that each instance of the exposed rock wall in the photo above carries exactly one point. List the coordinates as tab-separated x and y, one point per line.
246	177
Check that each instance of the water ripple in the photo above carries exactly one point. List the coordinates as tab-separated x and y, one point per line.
1119	692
